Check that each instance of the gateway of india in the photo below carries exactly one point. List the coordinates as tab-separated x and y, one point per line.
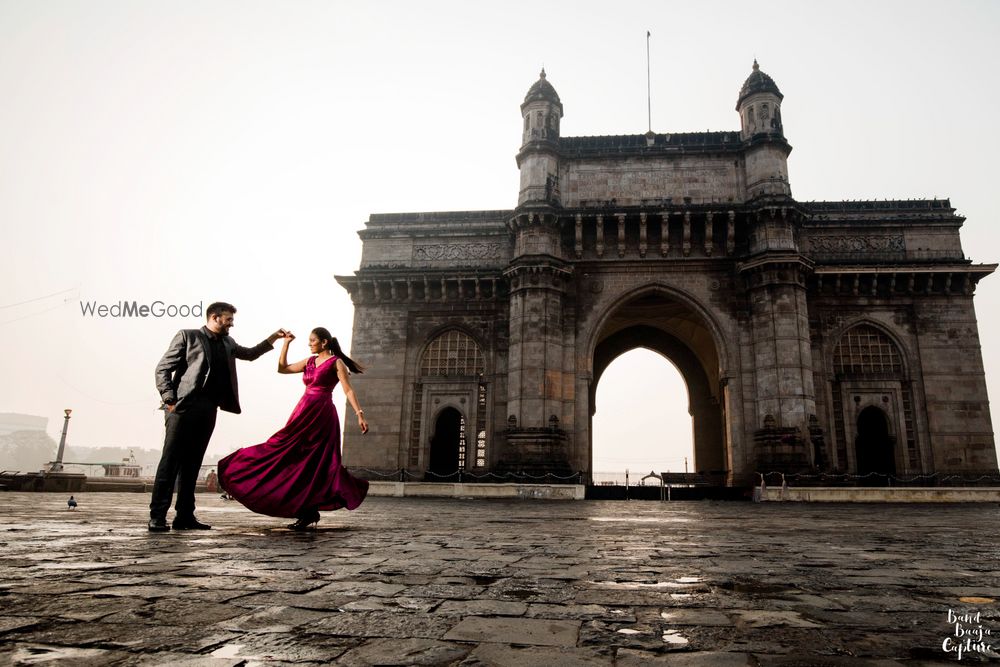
834	336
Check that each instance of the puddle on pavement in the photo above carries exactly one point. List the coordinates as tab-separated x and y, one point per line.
78	565
683	582
640	519
227	651
36	655
629	631
674	639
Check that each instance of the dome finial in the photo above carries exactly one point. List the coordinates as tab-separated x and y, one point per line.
756	67
542	74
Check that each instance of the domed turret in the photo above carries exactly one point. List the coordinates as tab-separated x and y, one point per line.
766	157
759	104
541	111
538	158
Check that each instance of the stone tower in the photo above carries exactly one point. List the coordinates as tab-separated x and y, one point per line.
539	383
538	158
775	273
759	106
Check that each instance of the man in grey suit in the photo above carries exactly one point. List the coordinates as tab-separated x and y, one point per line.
195	377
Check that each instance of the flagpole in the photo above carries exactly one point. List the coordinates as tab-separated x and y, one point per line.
649	103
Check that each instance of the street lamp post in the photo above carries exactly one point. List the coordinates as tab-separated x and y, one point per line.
57	465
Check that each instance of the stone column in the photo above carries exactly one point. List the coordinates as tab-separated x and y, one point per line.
600	235
621	234
686	246
709	218
642	234
665	233
730	232
539	385
578	244
782	351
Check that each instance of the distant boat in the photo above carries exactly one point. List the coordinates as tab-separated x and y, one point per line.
128	468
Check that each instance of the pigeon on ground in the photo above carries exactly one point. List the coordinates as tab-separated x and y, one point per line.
71	503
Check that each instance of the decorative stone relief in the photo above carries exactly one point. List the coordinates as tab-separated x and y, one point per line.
453	251
857	244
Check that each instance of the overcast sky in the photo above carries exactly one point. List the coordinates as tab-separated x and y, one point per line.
230	150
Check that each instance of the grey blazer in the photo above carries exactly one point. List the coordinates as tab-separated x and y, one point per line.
186	364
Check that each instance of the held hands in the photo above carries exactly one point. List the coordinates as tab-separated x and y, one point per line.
283	333
280	333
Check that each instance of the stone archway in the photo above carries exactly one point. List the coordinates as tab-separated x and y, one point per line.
656	321
874	446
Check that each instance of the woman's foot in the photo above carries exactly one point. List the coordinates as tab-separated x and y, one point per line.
307	521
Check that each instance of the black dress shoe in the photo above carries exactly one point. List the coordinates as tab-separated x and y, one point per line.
307	521
190	523
158	526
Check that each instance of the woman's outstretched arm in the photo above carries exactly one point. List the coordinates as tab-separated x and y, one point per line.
352	398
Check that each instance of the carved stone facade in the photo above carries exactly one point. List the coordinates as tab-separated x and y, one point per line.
835	336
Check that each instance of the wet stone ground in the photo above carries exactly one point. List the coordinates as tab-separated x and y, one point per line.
476	582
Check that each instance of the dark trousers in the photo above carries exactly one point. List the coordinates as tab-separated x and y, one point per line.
187	434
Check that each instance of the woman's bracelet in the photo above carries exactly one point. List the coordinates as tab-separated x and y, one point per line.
359	413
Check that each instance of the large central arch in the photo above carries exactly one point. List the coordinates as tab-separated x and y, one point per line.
674	326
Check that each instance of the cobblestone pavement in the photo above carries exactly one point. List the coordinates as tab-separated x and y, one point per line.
477	582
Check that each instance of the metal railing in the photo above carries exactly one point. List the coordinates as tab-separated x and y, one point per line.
877	479
466	476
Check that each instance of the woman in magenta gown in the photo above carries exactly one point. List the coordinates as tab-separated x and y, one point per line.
297	472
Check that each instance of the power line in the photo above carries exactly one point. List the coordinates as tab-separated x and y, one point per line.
38	298
24	317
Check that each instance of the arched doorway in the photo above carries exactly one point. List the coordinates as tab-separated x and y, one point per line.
452	372
657	321
448	443
874	445
872	405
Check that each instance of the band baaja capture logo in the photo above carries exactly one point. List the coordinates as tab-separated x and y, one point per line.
135	309
968	636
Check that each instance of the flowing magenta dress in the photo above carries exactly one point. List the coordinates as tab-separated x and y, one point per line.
298	468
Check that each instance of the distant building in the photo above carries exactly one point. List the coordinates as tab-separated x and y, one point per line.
828	336
11	422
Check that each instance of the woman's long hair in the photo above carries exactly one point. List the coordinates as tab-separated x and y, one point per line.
334	347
